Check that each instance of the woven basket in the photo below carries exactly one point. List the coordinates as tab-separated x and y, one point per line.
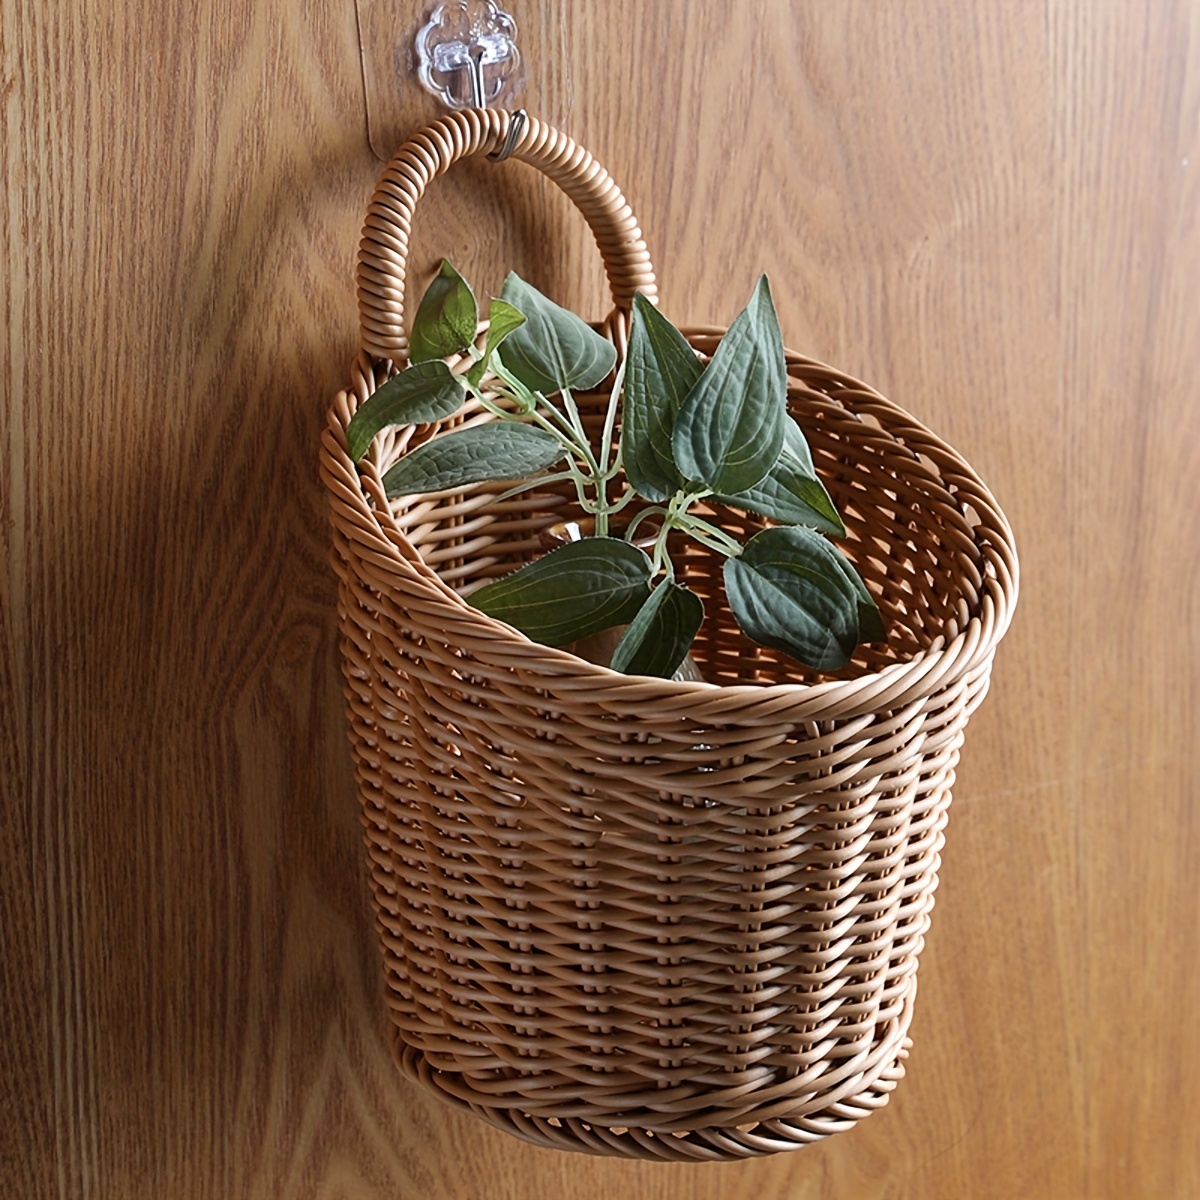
628	916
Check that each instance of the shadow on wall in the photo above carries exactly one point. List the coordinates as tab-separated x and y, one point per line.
210	929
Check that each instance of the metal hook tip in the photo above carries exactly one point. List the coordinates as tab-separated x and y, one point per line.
516	126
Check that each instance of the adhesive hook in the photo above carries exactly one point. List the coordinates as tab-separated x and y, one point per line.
467	53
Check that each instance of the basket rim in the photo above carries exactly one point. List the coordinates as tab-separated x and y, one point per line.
506	648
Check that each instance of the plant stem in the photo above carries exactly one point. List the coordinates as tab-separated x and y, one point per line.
560	421
661	558
627	498
577	424
710	535
618	465
569	433
582	479
529	484
598	476
564	440
610	420
656	511
495	409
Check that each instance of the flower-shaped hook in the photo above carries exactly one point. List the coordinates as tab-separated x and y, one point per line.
467	53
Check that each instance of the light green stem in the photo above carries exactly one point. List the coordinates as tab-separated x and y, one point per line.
570	435
560	421
656	511
610	420
661	558
711	536
564	439
577	422
527	485
626	499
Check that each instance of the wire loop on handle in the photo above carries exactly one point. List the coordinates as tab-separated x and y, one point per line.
383	251
516	125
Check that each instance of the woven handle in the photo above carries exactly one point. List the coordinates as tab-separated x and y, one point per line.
383	251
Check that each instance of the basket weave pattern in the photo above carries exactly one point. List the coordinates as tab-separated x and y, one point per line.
639	917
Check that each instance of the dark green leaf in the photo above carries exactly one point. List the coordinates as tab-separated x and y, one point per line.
660	370
446	318
659	636
790	590
502	320
426	392
729	429
791	491
572	592
554	349
870	621
493	451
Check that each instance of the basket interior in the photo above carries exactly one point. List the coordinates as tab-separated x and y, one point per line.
913	538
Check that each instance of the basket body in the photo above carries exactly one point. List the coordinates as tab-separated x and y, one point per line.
661	920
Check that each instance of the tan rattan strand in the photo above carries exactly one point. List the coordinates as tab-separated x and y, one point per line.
674	921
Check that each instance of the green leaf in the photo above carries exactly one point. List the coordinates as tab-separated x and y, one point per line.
426	392
446	318
870	621
554	349
789	589
496	450
659	636
660	369
730	426
576	590
502	320
791	491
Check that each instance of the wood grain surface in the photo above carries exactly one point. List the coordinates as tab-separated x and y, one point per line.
989	211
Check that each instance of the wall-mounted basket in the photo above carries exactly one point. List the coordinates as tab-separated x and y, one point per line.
629	916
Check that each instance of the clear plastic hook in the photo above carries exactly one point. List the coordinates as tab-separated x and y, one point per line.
467	54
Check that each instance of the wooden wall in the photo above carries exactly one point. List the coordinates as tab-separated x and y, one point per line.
989	211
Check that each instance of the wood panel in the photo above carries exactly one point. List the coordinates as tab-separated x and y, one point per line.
988	211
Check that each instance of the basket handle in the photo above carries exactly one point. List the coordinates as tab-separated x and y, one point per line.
383	251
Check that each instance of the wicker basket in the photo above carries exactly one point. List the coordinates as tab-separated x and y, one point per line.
628	916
